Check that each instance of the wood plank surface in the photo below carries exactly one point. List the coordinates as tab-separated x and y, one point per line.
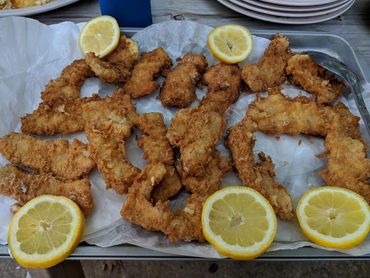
354	25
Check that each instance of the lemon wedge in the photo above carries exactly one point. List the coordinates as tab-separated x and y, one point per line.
230	43
100	35
239	222
45	231
334	217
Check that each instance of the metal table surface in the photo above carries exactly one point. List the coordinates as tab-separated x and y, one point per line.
354	26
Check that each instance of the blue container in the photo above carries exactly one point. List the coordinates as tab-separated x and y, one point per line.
129	13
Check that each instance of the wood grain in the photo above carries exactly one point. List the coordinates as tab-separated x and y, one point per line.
354	25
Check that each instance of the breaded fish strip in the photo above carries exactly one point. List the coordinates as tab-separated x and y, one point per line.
108	123
348	165
58	157
138	208
24	186
195	131
59	116
179	87
223	87
270	70
277	114
67	86
145	71
187	224
306	73
259	176
117	66
157	149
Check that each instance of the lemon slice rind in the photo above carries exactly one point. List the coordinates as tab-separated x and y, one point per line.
350	239
246	38
56	255
237	251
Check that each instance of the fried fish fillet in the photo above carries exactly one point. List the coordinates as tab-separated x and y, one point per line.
187	223
223	87
306	73
179	87
65	161
67	86
259	176
277	114
24	186
348	165
195	131
108	123
157	149
138	208
60	110
145	71
117	66
60	116
270	70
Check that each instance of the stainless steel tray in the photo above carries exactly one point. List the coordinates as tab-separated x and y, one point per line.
300	41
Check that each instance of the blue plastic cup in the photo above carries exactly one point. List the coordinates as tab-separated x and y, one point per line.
129	13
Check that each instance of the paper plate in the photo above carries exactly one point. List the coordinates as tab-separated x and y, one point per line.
55	4
277	7
299	2
290	14
285	20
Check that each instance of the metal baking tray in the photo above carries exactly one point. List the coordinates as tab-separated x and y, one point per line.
299	41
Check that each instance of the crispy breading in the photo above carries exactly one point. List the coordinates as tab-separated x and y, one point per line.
270	70
178	89
67	86
117	66
223	87
108	123
348	165
24	186
138	208
277	114
58	117
195	131
145	71
259	176
305	72
210	182
157	149
58	157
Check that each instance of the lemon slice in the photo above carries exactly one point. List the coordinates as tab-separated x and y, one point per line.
45	231
231	43
239	222
100	35
334	217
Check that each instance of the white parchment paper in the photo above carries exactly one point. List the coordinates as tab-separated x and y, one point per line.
33	53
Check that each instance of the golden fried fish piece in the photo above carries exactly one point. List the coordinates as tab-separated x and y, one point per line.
66	161
305	72
24	186
108	124
178	89
145	71
117	66
270	70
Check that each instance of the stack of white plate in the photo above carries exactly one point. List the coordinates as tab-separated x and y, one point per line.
290	11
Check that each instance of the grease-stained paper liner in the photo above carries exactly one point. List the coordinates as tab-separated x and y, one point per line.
296	163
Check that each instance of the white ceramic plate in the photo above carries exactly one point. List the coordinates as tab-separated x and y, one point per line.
289	14
299	2
285	20
55	4
294	8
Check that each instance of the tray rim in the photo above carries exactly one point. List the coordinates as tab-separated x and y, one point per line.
131	252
